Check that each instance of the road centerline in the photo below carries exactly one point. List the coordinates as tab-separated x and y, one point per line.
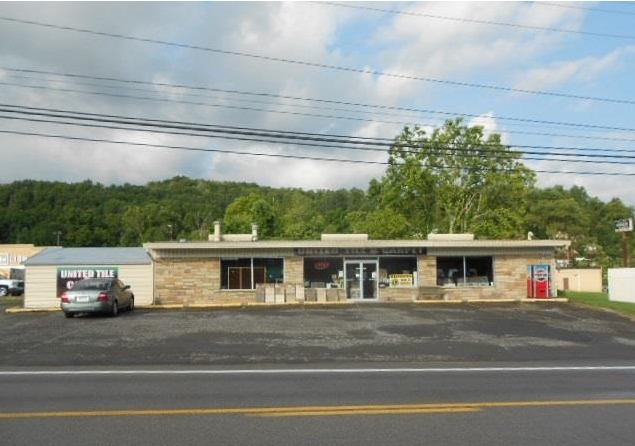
306	411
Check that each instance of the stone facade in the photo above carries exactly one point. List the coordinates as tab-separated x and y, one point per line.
196	281
294	270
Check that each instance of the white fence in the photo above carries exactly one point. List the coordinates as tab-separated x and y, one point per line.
622	284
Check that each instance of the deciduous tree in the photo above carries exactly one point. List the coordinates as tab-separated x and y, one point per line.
456	179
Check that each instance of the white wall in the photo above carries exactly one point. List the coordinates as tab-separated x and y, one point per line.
580	279
622	284
41	285
141	280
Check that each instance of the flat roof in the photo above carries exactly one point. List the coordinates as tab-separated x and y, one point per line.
90	256
356	243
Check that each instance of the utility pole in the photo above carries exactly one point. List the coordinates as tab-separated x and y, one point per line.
625	226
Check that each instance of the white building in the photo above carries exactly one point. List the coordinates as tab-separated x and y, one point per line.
53	270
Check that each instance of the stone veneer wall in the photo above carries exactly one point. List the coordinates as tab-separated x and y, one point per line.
197	281
427	271
294	270
193	281
510	280
186	280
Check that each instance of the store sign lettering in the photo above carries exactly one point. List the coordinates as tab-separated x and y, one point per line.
66	277
321	265
7	259
358	251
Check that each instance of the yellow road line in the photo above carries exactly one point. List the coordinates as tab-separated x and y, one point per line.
380	410
306	411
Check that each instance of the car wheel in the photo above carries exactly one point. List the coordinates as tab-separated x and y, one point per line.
68	314
3	291
115	309
131	304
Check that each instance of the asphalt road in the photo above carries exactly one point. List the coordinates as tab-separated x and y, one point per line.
370	374
457	406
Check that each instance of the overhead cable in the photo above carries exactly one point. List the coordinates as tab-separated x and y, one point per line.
317	64
307	99
201	129
361	6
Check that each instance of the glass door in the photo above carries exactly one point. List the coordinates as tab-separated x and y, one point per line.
361	279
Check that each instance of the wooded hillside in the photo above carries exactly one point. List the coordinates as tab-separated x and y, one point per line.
455	179
91	214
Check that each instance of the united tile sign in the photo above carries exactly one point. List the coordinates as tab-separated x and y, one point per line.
66	277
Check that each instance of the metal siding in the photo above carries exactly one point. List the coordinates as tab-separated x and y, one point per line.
41	287
140	279
89	256
41	284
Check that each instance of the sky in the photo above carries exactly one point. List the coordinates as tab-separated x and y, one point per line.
273	93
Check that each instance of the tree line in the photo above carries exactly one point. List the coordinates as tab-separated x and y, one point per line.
453	179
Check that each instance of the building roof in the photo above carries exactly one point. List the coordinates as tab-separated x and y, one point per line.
357	243
90	256
352	247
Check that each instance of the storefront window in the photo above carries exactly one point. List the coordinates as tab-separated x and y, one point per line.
323	272
465	271
328	272
246	273
397	271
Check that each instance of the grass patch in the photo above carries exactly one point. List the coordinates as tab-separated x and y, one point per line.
600	300
10	301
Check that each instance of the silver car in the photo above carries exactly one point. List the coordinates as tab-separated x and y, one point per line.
97	296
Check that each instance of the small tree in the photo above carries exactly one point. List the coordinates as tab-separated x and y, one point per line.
244	211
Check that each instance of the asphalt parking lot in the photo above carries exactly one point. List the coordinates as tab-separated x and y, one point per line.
369	333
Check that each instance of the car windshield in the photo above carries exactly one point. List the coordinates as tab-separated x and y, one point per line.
92	284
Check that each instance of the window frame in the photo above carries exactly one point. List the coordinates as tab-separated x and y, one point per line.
463	271
251	266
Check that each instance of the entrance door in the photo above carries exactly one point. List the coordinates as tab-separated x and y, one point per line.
361	279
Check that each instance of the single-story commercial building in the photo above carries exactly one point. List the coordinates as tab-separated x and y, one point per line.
350	268
54	270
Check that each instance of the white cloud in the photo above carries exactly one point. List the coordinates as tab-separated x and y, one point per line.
584	70
490	125
320	34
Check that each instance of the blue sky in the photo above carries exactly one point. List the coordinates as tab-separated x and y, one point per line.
305	67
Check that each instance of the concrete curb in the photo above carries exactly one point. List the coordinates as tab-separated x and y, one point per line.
227	306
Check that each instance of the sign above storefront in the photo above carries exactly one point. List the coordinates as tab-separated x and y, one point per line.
322	252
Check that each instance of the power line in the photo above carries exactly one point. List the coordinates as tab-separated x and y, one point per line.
585	8
277	155
318	100
294	137
477	21
317	64
194	149
313	140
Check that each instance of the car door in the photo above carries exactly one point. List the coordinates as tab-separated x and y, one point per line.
121	294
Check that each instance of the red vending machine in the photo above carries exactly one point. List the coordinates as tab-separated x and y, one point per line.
538	281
